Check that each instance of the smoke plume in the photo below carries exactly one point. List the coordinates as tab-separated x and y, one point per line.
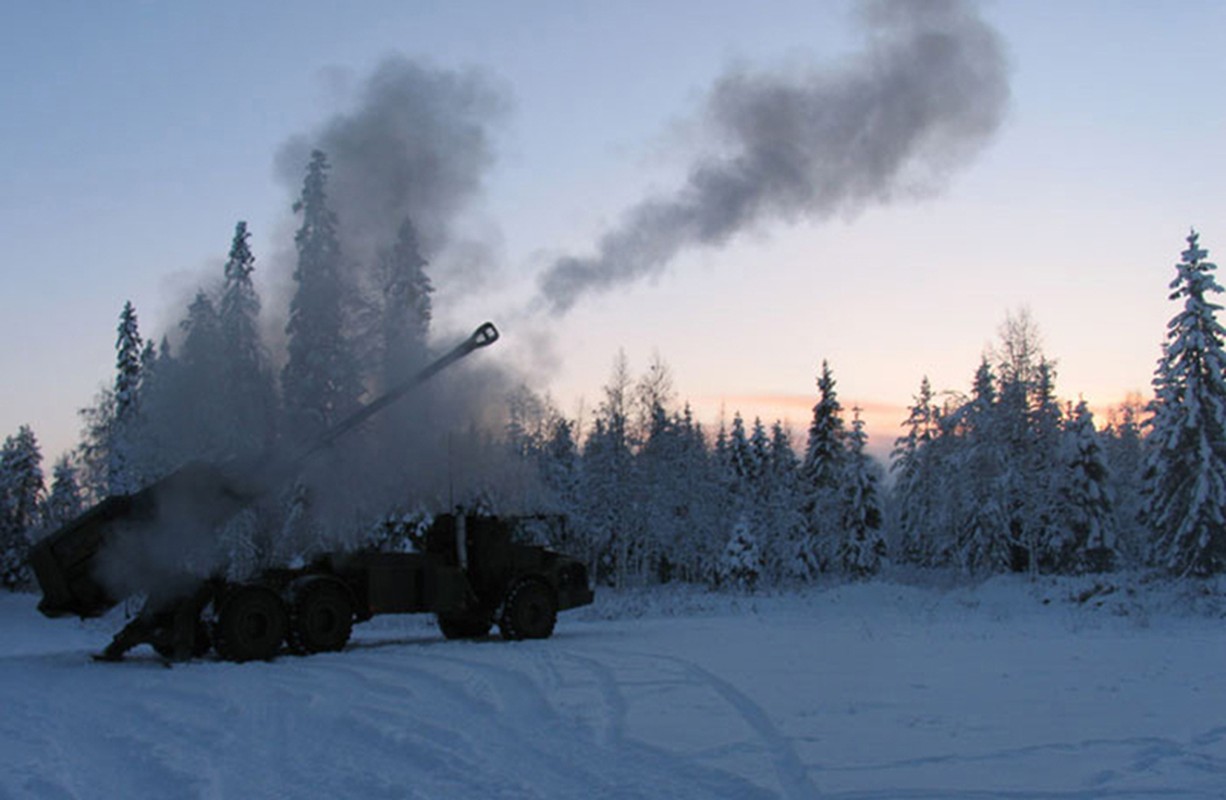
926	94
417	144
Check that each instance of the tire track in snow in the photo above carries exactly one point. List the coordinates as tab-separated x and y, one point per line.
529	732
505	727
790	771
611	694
793	777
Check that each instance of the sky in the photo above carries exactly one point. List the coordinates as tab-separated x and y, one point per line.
135	134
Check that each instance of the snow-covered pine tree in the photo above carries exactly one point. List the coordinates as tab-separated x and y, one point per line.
161	425
21	491
1088	507
863	546
1045	468
121	430
249	397
1186	463
560	468
64	502
609	483
823	468
782	512
759	453
827	442
917	487
1124	447
660	470
701	506
111	440
320	382
740	460
981	515
741	565
1027	422
202	419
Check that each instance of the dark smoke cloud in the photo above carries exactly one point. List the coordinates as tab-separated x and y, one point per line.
929	90
417	143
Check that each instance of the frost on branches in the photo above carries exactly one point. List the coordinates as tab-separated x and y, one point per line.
1186	464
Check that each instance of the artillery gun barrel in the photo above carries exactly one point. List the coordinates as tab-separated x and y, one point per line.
66	563
484	336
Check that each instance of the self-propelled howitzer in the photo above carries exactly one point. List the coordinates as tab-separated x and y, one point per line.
469	571
199	494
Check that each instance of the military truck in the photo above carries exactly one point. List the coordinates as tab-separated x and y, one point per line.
469	570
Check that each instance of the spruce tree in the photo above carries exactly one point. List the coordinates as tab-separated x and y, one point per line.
661	472
1088	506
162	425
917	485
1186	464
248	396
21	490
560	467
123	471
202	417
981	497
609	482
702	504
320	382
740	459
823	469
64	502
782	510
863	546
741	564
822	464
1124	446
1047	499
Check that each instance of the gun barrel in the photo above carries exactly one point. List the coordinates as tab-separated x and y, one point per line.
483	336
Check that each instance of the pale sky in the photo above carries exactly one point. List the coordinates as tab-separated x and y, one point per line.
136	133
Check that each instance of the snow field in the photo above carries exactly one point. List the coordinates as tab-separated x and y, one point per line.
875	690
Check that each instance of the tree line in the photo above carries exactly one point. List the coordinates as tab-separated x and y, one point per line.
1001	477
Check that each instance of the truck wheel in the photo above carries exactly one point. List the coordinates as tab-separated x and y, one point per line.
320	620
251	625
529	612
461	626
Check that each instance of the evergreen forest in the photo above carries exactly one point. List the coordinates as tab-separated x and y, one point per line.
1001	475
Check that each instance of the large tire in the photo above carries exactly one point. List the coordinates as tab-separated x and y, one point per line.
529	611
251	625
321	619
465	626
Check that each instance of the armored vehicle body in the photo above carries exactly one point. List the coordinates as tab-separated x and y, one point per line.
467	570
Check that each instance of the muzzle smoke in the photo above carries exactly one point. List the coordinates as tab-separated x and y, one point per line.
926	95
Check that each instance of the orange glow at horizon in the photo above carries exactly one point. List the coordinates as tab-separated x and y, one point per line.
882	421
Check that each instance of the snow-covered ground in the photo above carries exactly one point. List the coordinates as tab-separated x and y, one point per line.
882	690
